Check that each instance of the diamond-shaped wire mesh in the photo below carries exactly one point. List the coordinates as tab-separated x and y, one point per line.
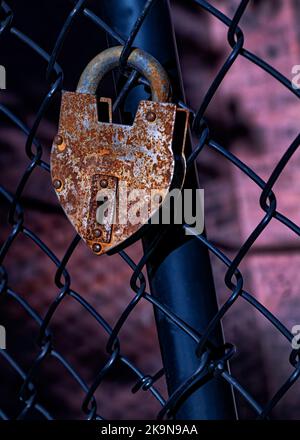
30	396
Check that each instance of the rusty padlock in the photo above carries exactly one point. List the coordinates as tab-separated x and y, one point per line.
89	156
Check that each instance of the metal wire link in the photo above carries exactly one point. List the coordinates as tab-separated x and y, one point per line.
211	358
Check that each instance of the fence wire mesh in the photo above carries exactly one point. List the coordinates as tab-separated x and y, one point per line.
211	360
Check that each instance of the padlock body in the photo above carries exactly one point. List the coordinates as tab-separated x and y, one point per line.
90	158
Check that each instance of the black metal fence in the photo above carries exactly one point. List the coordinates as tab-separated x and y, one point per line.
212	359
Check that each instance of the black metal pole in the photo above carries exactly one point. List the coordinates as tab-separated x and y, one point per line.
179	271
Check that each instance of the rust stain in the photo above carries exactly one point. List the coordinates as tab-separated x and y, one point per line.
140	155
138	59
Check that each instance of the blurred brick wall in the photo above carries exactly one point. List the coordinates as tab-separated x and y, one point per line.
256	119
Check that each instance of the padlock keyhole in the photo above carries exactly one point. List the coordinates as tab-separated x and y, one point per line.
100	213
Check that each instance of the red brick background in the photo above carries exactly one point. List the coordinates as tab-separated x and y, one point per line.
257	119
254	117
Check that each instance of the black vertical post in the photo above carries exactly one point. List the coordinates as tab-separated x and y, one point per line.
179	271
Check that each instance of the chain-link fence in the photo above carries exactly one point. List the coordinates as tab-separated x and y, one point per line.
30	399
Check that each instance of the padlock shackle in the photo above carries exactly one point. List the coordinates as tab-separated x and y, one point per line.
139	60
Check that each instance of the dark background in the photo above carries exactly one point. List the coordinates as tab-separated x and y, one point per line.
251	115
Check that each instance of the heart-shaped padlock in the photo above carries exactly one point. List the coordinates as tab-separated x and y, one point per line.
104	174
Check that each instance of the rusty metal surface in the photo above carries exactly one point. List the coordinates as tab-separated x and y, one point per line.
86	151
139	60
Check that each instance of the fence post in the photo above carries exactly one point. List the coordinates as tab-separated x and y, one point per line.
179	271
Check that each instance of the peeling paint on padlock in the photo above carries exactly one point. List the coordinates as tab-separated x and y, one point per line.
102	155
